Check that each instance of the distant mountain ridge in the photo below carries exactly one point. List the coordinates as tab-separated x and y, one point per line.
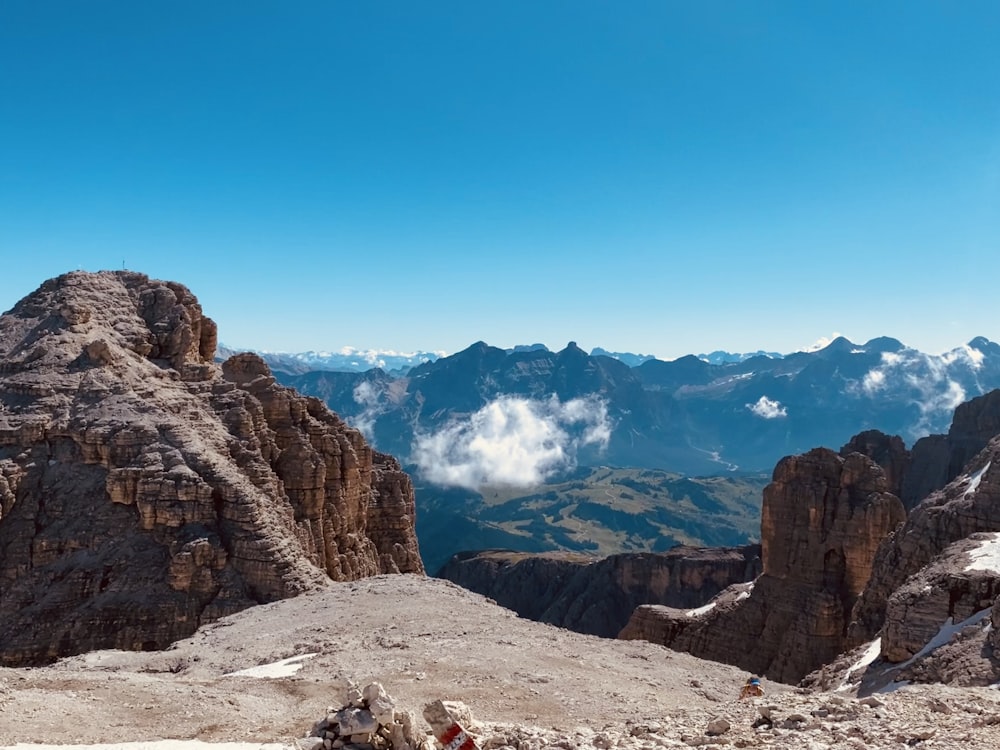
349	359
687	415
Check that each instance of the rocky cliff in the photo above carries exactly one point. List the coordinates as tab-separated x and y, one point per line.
598	596
921	576
938	459
823	518
888	451
852	590
145	490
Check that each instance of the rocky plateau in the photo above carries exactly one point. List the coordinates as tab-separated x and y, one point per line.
528	686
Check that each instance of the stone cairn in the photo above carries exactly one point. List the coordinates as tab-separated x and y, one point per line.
369	720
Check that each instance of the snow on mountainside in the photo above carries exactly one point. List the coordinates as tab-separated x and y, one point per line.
347	359
546	411
722	358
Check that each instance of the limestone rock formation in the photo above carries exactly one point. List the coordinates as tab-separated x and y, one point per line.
938	459
598	596
145	490
967	506
823	518
888	451
951	590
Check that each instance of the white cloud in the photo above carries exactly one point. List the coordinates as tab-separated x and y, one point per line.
365	394
368	396
513	441
373	355
768	408
964	354
935	391
873	381
892	358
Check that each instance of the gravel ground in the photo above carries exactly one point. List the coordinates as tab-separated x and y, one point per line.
529	686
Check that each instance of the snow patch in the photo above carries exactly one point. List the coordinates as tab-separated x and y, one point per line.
893	686
872	651
944	635
975	479
987	555
284	668
701	610
821	343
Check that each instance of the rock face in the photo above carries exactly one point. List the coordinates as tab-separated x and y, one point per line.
145	490
951	589
888	451
597	597
823	518
938	459
898	597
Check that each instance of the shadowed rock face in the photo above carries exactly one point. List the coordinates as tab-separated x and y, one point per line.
888	451
598	596
937	459
145	490
823	518
966	506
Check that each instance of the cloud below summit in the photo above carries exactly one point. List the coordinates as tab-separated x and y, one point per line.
933	381
768	408
512	441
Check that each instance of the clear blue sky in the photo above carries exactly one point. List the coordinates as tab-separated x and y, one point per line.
656	177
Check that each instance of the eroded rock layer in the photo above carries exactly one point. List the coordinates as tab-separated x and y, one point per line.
823	518
938	459
145	490
919	580
598	596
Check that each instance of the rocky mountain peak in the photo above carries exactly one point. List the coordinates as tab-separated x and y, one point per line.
884	344
104	319
888	451
840	345
823	518
145	490
983	344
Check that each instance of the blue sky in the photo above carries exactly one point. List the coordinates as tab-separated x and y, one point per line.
655	177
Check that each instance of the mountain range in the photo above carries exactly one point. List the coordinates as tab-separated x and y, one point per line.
350	359
147	492
490	415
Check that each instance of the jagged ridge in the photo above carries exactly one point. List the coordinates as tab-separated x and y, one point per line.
145	490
